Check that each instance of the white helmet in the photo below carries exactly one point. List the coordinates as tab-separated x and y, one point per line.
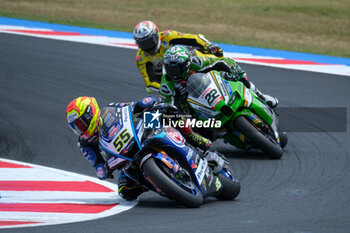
146	35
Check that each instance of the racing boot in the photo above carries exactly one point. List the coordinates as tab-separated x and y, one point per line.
269	100
193	138
197	140
129	189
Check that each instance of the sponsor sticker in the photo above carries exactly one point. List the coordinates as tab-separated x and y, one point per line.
189	154
217	184
200	172
175	135
113	131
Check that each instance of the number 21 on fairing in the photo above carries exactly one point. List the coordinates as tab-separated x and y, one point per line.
122	139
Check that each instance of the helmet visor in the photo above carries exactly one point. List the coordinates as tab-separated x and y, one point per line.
79	126
149	44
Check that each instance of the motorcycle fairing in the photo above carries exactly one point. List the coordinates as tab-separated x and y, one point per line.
121	135
199	166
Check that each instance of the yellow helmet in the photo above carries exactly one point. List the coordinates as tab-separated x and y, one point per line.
83	116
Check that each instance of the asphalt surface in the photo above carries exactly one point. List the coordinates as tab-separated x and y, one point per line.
308	190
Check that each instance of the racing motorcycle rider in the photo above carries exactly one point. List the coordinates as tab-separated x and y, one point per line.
180	62
84	118
153	44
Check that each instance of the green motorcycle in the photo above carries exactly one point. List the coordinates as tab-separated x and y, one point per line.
246	121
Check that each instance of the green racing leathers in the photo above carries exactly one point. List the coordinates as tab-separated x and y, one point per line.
200	63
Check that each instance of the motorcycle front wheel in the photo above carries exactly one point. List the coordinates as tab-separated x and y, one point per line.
192	197
257	138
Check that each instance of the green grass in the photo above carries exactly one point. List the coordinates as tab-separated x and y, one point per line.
313	26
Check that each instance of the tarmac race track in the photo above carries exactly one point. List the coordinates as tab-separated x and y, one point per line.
308	190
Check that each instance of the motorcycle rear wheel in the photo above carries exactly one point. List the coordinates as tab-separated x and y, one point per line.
168	186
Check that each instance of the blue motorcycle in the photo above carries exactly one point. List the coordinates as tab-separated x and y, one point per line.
161	160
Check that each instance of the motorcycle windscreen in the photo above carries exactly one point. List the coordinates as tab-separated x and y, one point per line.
197	84
203	90
121	138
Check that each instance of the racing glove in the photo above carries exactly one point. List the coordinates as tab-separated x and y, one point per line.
97	161
165	108
236	77
147	102
215	49
181	88
230	76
